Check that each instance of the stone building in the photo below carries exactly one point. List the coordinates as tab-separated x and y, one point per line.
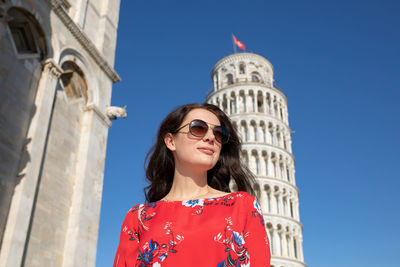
244	88
56	76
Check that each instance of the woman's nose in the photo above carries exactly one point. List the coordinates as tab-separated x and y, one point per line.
209	135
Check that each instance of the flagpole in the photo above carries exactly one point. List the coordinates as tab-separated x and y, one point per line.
234	46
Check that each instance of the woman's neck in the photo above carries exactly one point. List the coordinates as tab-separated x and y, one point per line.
188	184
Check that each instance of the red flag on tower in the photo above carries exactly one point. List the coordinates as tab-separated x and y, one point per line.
238	43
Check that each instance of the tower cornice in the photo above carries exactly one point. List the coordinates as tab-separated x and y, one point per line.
59	10
239	57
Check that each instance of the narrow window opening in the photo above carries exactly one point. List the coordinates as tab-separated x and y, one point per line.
229	79
291	209
22	36
255	77
242	69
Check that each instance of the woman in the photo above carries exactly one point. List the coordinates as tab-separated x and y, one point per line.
190	217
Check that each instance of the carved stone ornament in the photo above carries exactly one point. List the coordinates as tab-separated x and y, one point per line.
49	65
116	112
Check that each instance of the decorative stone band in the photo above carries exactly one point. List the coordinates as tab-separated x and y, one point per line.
238	57
58	8
102	116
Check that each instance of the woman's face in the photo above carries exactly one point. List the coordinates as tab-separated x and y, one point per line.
200	153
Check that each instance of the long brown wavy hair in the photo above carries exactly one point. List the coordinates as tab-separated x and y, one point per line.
160	161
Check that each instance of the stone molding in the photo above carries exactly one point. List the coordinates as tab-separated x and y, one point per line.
58	8
104	119
258	117
50	66
280	219
260	145
254	86
269	180
240	57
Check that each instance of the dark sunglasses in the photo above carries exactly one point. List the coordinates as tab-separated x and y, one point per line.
199	128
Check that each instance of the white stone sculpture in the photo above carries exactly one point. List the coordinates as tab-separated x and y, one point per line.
115	112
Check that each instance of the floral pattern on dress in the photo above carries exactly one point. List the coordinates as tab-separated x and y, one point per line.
234	245
257	212
134	234
152	253
193	203
241	235
199	204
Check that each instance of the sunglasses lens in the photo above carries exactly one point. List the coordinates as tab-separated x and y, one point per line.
221	134
198	128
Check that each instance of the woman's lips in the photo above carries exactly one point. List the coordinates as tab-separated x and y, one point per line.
208	151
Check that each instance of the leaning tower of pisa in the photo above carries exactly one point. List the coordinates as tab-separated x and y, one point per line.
243	86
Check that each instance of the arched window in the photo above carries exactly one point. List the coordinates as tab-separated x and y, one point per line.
74	81
242	68
255	77
26	33
229	79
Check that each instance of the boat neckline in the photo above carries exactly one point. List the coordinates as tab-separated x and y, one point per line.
210	198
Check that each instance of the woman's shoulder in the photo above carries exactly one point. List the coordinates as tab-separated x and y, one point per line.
140	206
238	196
245	196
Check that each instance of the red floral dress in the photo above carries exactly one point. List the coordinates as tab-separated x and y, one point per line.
222	231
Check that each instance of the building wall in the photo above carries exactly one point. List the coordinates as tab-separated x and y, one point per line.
19	78
52	209
54	130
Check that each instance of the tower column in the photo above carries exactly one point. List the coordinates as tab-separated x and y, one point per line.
264	102
284	245
280	203
270	165
274	203
255	109
300	246
271	106
284	171
287	206
237	103
291	247
228	101
275	239
279	111
264	199
246	101
277	168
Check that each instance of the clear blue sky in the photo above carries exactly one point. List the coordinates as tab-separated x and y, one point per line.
337	62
